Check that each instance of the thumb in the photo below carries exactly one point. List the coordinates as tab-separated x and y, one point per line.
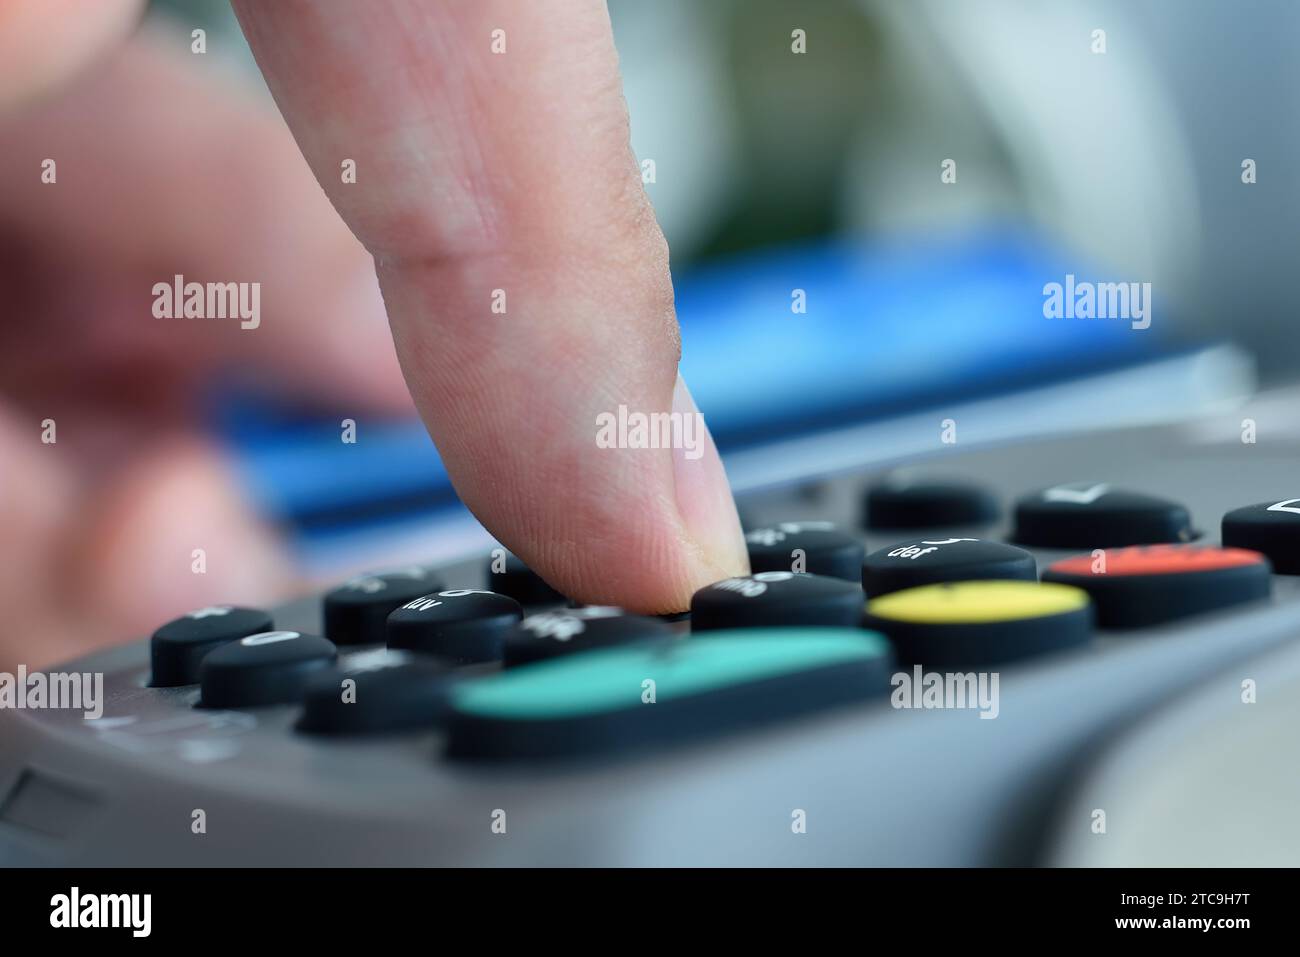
525	277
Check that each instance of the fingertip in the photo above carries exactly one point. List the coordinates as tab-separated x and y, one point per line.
637	527
703	495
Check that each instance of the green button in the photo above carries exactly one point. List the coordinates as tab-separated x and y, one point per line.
601	699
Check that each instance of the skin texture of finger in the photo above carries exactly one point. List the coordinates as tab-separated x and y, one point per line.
44	43
483	175
165	167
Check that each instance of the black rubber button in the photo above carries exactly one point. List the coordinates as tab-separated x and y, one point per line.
926	561
550	634
376	691
1148	585
627	699
1272	528
777	599
905	505
508	575
462	625
818	548
356	613
177	648
1097	515
270	668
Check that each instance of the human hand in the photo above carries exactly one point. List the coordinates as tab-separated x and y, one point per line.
476	171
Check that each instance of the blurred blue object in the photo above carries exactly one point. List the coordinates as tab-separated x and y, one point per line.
886	330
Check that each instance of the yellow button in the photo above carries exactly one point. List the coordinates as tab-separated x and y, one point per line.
977	602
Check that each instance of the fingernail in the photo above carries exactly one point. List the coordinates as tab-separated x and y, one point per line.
704	499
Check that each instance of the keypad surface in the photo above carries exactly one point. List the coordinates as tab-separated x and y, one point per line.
778	691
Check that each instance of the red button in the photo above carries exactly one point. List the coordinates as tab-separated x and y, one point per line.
1158	560
1151	584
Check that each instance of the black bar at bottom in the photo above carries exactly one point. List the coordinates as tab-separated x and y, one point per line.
333	907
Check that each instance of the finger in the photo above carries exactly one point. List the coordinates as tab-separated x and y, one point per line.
164	167
480	171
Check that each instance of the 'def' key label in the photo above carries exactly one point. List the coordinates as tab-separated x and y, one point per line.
926	561
76	909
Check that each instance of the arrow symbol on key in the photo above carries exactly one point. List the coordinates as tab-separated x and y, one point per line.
1287	506
1076	496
